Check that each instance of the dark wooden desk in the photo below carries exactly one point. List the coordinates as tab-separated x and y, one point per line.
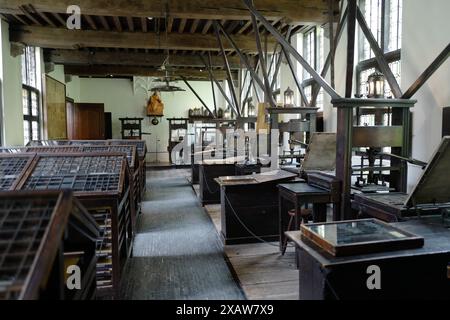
252	200
294	196
209	189
405	274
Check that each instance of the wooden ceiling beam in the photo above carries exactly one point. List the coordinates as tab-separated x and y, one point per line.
60	38
77	57
125	71
299	11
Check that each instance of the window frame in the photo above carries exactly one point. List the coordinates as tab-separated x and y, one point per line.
371	63
26	86
315	62
390	56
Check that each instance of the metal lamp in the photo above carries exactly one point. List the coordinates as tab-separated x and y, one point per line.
375	85
251	110
289	98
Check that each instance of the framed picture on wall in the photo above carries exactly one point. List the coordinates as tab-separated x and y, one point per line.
55	113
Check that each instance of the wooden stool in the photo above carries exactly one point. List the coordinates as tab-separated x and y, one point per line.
304	214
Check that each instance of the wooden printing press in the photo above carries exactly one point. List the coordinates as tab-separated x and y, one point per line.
331	253
43	236
430	196
249	206
102	183
298	130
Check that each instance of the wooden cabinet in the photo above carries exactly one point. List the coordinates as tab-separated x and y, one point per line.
86	121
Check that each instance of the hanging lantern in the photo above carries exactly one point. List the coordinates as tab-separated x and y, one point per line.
227	113
251	110
289	98
375	85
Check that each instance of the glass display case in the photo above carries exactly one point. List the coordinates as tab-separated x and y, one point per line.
359	237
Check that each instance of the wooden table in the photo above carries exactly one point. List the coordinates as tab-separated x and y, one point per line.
295	195
405	274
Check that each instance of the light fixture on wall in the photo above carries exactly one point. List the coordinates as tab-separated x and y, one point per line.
289	98
155	121
375	85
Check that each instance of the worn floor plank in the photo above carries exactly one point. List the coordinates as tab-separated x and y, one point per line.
177	252
262	272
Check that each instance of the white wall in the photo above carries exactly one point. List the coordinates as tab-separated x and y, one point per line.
425	34
12	134
120	100
72	86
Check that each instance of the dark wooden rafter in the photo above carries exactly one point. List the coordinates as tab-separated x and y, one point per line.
197	96
182	25
351	35
279	60
328	60
207	26
117	24
268	96
243	57
298	83
130	23
332	43
144	25
228	70
169	24
379	55
219	86
104	23
91	22
212	84
194	26
440	59
292	50
27	10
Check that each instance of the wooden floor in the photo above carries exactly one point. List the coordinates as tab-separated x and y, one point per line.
260	269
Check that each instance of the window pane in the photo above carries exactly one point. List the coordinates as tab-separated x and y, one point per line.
34	104
25	105
395	67
394	25
35	130
372	13
29	76
26	131
308	92
320	49
309	51
24	69
319	102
